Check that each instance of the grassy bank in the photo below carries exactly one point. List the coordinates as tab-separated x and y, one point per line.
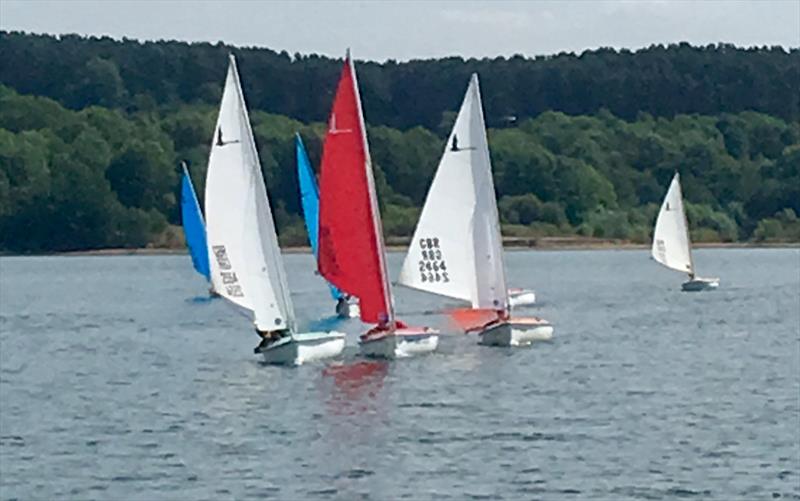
401	245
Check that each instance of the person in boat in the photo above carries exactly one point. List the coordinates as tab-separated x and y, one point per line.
383	326
267	338
502	316
343	305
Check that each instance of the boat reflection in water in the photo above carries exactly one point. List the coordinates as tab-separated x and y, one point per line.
356	386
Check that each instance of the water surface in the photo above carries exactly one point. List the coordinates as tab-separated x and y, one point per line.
120	380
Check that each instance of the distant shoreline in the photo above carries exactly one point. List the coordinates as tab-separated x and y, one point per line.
511	244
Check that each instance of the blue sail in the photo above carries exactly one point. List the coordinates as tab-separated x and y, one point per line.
309	196
194	228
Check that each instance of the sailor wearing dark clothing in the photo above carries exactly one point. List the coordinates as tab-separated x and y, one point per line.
267	338
343	306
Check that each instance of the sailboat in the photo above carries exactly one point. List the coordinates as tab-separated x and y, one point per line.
351	248
457	248
242	243
521	297
194	228
309	198
672	246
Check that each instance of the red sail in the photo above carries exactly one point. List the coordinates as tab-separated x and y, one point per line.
350	241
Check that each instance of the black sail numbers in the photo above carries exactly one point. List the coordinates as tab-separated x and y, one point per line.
229	279
432	266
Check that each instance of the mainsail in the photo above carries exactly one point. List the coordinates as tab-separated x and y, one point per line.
457	249
246	266
309	198
351	250
194	228
671	245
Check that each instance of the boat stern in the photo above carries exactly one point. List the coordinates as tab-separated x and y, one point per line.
698	284
399	343
517	332
304	347
413	341
521	297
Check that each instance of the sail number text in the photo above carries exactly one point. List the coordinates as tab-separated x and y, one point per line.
229	279
432	266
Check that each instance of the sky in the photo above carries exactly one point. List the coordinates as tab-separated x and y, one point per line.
403	30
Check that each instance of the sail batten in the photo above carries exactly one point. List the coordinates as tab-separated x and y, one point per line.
242	242
457	248
671	243
350	238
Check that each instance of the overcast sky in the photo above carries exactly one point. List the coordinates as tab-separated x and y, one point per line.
381	30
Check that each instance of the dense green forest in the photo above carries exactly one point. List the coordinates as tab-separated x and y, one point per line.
92	131
659	80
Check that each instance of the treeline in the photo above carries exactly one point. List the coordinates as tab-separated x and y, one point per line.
663	81
108	177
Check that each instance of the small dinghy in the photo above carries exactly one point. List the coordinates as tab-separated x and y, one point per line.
457	249
672	246
245	258
346	307
521	297
351	248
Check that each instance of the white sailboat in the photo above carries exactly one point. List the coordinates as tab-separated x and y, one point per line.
672	246
246	264
457	249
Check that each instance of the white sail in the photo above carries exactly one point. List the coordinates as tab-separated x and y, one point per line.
246	266
457	249
671	245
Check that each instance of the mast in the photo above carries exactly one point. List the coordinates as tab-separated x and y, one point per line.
242	242
495	243
373	198
224	226
686	225
457	246
270	250
351	248
671	246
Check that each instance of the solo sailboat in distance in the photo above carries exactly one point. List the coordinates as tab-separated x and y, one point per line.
457	249
309	198
351	249
242	243
672	246
194	228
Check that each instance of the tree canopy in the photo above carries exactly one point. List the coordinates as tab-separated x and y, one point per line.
92	132
663	81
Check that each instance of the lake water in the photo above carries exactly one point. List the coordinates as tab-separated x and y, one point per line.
119	380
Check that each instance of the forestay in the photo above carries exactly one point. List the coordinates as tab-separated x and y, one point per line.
246	264
457	249
671	245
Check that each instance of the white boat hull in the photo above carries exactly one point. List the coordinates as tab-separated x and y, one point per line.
401	343
516	332
698	284
305	347
521	297
348	310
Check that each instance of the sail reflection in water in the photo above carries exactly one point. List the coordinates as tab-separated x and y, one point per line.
355	386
